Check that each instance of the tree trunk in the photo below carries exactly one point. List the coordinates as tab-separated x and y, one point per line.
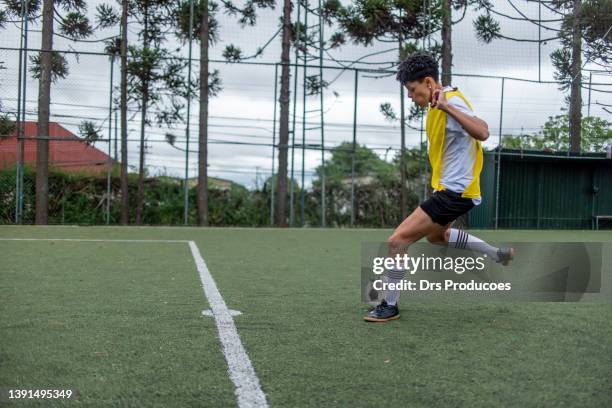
447	55
203	126
143	119
44	100
125	206
141	168
281	208
575	111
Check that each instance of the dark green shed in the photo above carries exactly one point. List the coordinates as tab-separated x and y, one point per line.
540	190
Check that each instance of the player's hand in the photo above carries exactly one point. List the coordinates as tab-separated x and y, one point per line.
438	100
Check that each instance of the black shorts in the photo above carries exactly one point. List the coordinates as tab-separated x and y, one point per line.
446	206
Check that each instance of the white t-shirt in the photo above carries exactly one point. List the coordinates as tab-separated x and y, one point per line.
458	154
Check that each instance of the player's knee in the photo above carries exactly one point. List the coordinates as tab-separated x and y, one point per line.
433	239
436	238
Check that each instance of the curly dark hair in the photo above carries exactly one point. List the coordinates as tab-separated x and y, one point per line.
416	67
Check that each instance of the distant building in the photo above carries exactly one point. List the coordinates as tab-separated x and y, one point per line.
214	183
67	152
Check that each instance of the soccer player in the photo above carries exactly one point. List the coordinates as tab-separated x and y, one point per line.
455	134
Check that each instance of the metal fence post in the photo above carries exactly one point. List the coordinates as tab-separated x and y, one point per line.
272	181
590	85
21	101
186	186
499	149
110	130
353	153
321	99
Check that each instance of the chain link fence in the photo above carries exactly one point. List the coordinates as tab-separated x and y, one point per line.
354	129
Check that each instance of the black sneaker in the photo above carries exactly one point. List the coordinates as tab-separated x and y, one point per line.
382	313
505	255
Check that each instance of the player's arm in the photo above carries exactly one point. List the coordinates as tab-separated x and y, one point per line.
474	126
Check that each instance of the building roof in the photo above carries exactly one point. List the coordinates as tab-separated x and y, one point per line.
67	152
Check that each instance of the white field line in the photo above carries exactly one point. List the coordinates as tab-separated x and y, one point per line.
240	369
179	241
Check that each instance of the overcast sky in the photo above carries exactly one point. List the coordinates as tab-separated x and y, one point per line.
243	112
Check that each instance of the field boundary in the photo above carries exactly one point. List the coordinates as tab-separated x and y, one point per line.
138	241
247	387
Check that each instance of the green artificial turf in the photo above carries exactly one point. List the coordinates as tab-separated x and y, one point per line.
122	324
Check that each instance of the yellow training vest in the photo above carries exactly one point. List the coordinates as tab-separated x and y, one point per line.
436	134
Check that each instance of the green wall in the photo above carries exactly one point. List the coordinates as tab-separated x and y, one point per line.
543	191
